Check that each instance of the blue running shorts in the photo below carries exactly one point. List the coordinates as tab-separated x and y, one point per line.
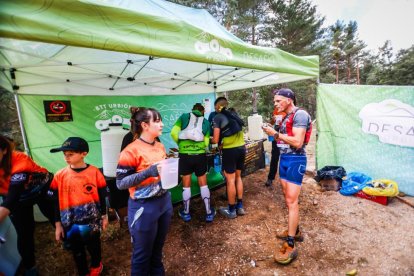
292	167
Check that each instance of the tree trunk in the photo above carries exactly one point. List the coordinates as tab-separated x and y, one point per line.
348	70
337	71
357	71
254	100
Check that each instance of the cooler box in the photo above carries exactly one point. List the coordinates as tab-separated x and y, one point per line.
379	199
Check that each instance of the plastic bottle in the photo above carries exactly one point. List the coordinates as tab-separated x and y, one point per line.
217	163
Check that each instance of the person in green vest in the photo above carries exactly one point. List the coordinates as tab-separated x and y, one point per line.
192	134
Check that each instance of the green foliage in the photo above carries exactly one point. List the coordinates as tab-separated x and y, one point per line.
9	122
403	70
294	26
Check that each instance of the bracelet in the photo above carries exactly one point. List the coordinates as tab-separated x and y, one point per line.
276	135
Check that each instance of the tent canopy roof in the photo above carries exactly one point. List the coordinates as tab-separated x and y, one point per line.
147	47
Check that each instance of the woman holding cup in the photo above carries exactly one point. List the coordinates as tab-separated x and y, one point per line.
149	206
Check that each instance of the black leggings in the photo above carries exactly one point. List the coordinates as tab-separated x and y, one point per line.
23	221
274	161
92	244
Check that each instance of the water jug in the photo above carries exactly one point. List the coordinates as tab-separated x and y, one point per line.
169	173
111	141
255	123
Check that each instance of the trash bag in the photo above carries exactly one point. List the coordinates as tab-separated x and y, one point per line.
330	172
381	187
354	183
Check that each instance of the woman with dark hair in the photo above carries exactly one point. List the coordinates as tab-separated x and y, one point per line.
131	135
149	206
22	184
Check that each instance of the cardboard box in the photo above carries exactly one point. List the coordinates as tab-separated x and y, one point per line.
330	184
379	199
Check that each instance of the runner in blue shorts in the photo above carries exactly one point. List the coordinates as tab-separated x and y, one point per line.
295	130
292	168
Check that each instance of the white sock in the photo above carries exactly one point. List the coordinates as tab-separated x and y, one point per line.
205	195
186	199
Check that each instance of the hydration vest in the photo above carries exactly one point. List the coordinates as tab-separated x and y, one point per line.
192	128
235	123
289	125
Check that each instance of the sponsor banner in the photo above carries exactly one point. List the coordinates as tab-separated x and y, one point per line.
368	129
91	114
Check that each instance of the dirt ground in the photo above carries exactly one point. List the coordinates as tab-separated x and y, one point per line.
341	234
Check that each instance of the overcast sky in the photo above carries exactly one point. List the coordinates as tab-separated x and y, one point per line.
378	20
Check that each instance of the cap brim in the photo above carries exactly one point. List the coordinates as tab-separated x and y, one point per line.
62	149
56	150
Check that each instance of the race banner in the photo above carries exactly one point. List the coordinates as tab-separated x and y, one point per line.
368	129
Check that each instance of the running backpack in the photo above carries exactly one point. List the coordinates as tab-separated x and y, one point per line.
193	128
289	126
235	123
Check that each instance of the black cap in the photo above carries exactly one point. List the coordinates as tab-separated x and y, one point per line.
73	144
285	92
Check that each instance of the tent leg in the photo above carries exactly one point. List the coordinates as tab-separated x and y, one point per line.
19	114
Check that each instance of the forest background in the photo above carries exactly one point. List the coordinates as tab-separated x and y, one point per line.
294	26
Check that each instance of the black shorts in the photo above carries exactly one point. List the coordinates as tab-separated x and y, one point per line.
233	159
193	163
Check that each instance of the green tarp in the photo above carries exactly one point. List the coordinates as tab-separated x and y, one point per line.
147	47
368	129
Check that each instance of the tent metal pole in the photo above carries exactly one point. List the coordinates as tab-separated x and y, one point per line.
19	113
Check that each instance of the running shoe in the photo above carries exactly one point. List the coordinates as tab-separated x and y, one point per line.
210	217
185	216
96	271
285	254
226	212
284	235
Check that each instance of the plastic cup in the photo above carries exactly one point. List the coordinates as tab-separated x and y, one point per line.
169	173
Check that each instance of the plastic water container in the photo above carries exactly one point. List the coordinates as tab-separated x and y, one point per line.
217	163
169	173
271	138
255	123
111	141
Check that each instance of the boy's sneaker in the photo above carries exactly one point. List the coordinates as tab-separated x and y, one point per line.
240	211
285	254
185	216
284	235
226	212
210	217
96	271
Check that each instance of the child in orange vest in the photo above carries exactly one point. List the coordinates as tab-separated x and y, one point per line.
80	206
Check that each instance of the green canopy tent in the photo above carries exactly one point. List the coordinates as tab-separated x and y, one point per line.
94	53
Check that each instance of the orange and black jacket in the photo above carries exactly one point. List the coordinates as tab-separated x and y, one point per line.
22	169
80	196
137	171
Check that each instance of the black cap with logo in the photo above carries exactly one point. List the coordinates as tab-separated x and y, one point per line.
73	144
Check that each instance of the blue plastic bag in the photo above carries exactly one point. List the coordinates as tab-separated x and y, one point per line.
354	183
